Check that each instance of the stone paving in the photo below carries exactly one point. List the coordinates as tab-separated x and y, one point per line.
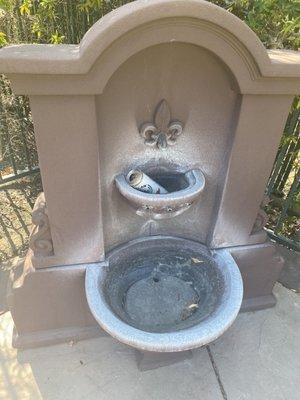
258	358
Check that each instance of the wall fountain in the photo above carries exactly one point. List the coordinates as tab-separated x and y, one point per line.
178	94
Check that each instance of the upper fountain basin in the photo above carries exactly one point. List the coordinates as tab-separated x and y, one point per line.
185	190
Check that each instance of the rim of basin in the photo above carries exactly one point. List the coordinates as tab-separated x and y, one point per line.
198	335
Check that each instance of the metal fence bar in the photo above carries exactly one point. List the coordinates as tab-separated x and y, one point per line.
28	199
19	175
16	202
290	129
292	244
7	236
281	191
289	164
22	117
10	150
288	201
11	202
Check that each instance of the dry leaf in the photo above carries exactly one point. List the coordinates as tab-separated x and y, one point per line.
197	261
192	306
188	311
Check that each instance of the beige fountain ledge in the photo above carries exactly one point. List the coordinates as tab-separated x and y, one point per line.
181	84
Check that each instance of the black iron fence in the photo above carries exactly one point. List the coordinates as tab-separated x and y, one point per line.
18	156
19	171
284	185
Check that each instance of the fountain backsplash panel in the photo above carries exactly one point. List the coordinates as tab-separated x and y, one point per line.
202	96
186	93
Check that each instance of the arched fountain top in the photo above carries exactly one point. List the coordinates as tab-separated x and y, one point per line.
137	14
141	24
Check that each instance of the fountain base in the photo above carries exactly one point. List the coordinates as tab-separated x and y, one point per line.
58	311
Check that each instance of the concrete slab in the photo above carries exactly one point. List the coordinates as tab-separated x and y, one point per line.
98	368
259	357
16	380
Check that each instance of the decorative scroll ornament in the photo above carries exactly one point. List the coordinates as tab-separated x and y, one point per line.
162	132
40	240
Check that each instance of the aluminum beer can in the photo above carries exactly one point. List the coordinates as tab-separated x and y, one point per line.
142	182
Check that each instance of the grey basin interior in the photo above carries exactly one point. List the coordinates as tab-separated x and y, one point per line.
172	179
161	288
165	294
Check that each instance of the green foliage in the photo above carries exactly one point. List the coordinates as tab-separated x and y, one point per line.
3	41
51	21
25	7
276	22
56	38
5	5
290	225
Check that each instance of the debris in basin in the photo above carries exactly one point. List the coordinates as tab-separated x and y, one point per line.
158	288
193	306
142	182
196	260
156	301
189	310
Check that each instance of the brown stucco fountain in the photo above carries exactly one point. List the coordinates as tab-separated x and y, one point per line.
176	93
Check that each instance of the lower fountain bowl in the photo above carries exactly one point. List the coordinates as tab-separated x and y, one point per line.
165	294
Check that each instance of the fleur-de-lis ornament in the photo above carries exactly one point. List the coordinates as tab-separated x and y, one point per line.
162	132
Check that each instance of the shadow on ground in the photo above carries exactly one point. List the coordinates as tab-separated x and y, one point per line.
290	275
